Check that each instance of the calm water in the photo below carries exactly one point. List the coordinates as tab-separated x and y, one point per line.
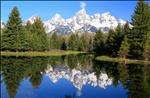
72	76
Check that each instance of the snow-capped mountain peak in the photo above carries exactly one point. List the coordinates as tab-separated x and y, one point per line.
80	21
106	14
32	19
96	16
56	20
57	16
81	12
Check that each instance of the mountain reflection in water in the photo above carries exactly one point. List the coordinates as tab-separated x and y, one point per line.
78	77
106	79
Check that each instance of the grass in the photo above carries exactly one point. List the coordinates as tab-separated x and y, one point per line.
49	53
60	53
127	61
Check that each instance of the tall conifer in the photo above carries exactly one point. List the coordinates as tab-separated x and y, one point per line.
13	37
141	26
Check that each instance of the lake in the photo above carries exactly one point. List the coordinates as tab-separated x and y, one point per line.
72	76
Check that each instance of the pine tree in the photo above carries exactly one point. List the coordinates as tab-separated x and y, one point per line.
114	40
127	30
84	42
29	26
73	42
146	53
90	44
29	35
111	43
124	48
141	26
14	35
98	44
119	38
42	37
81	46
54	41
63	44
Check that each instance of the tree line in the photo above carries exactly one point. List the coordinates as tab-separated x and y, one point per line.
123	41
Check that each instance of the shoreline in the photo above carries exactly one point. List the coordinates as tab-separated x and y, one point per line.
127	61
61	52
35	53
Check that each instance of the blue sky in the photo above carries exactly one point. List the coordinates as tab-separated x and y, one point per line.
47	9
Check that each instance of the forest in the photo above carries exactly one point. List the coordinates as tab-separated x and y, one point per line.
123	41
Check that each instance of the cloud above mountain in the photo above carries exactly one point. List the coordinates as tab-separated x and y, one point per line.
82	5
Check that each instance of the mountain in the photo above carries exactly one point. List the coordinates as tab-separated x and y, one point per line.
80	22
31	19
78	77
2	26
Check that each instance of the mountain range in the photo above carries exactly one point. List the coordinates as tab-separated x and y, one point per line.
80	22
78	77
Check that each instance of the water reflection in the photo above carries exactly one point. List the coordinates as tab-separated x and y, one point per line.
79	70
78	77
14	70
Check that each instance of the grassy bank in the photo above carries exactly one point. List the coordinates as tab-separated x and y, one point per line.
128	61
50	53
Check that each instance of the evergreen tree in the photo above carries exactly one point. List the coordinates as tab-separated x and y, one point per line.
124	48
54	41
83	42
111	43
29	26
114	40
30	37
127	30
14	35
80	45
141	26
42	38
119	38
98	44
63	45
23	40
147	48
90	44
73	42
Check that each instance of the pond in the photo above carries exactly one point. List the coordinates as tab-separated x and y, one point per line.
72	76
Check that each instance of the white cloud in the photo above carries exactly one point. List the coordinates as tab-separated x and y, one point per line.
82	5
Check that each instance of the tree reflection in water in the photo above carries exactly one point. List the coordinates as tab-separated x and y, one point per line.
134	77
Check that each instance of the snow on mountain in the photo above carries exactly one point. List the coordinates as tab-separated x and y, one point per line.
2	26
31	19
80	21
56	20
48	27
78	77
